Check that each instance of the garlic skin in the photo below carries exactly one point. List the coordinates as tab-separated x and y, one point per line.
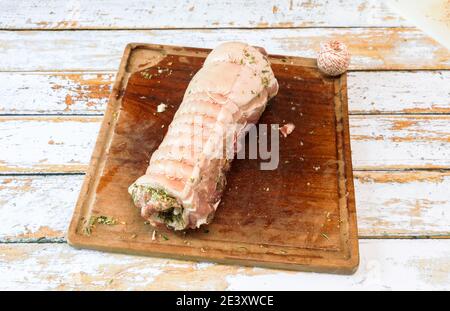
333	58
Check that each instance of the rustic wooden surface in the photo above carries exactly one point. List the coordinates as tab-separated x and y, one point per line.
56	83
372	48
248	228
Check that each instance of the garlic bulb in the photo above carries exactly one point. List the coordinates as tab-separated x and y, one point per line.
333	58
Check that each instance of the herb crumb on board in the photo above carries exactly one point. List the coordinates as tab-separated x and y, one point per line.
325	236
146	75
102	220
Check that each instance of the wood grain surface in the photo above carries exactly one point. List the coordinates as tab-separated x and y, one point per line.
311	190
391	204
394	142
80	93
385	265
389	48
139	14
45	72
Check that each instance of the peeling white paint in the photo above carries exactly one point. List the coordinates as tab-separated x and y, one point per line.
34	206
186	14
37	206
400	141
399	92
37	144
368	92
385	265
394	206
378	142
54	93
84	50
388	203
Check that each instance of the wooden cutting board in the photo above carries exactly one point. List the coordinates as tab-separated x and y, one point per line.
300	216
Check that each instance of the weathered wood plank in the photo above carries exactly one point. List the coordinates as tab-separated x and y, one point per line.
419	92
399	92
37	207
64	144
403	204
139	14
400	141
389	204
47	144
389	48
385	265
54	93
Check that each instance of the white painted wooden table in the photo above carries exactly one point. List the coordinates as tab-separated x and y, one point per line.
57	63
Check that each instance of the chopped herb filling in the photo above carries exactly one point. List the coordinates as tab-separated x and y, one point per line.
172	213
172	217
265	81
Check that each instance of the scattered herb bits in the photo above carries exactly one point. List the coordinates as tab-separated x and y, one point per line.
325	236
102	220
146	74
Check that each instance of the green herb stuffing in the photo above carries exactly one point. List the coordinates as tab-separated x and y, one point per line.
170	218
157	195
265	81
160	195
172	215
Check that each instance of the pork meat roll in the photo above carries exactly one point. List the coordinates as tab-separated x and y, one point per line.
184	181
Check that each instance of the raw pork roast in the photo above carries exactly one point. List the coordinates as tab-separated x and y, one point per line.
185	179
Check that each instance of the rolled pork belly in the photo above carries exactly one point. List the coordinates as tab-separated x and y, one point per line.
186	177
